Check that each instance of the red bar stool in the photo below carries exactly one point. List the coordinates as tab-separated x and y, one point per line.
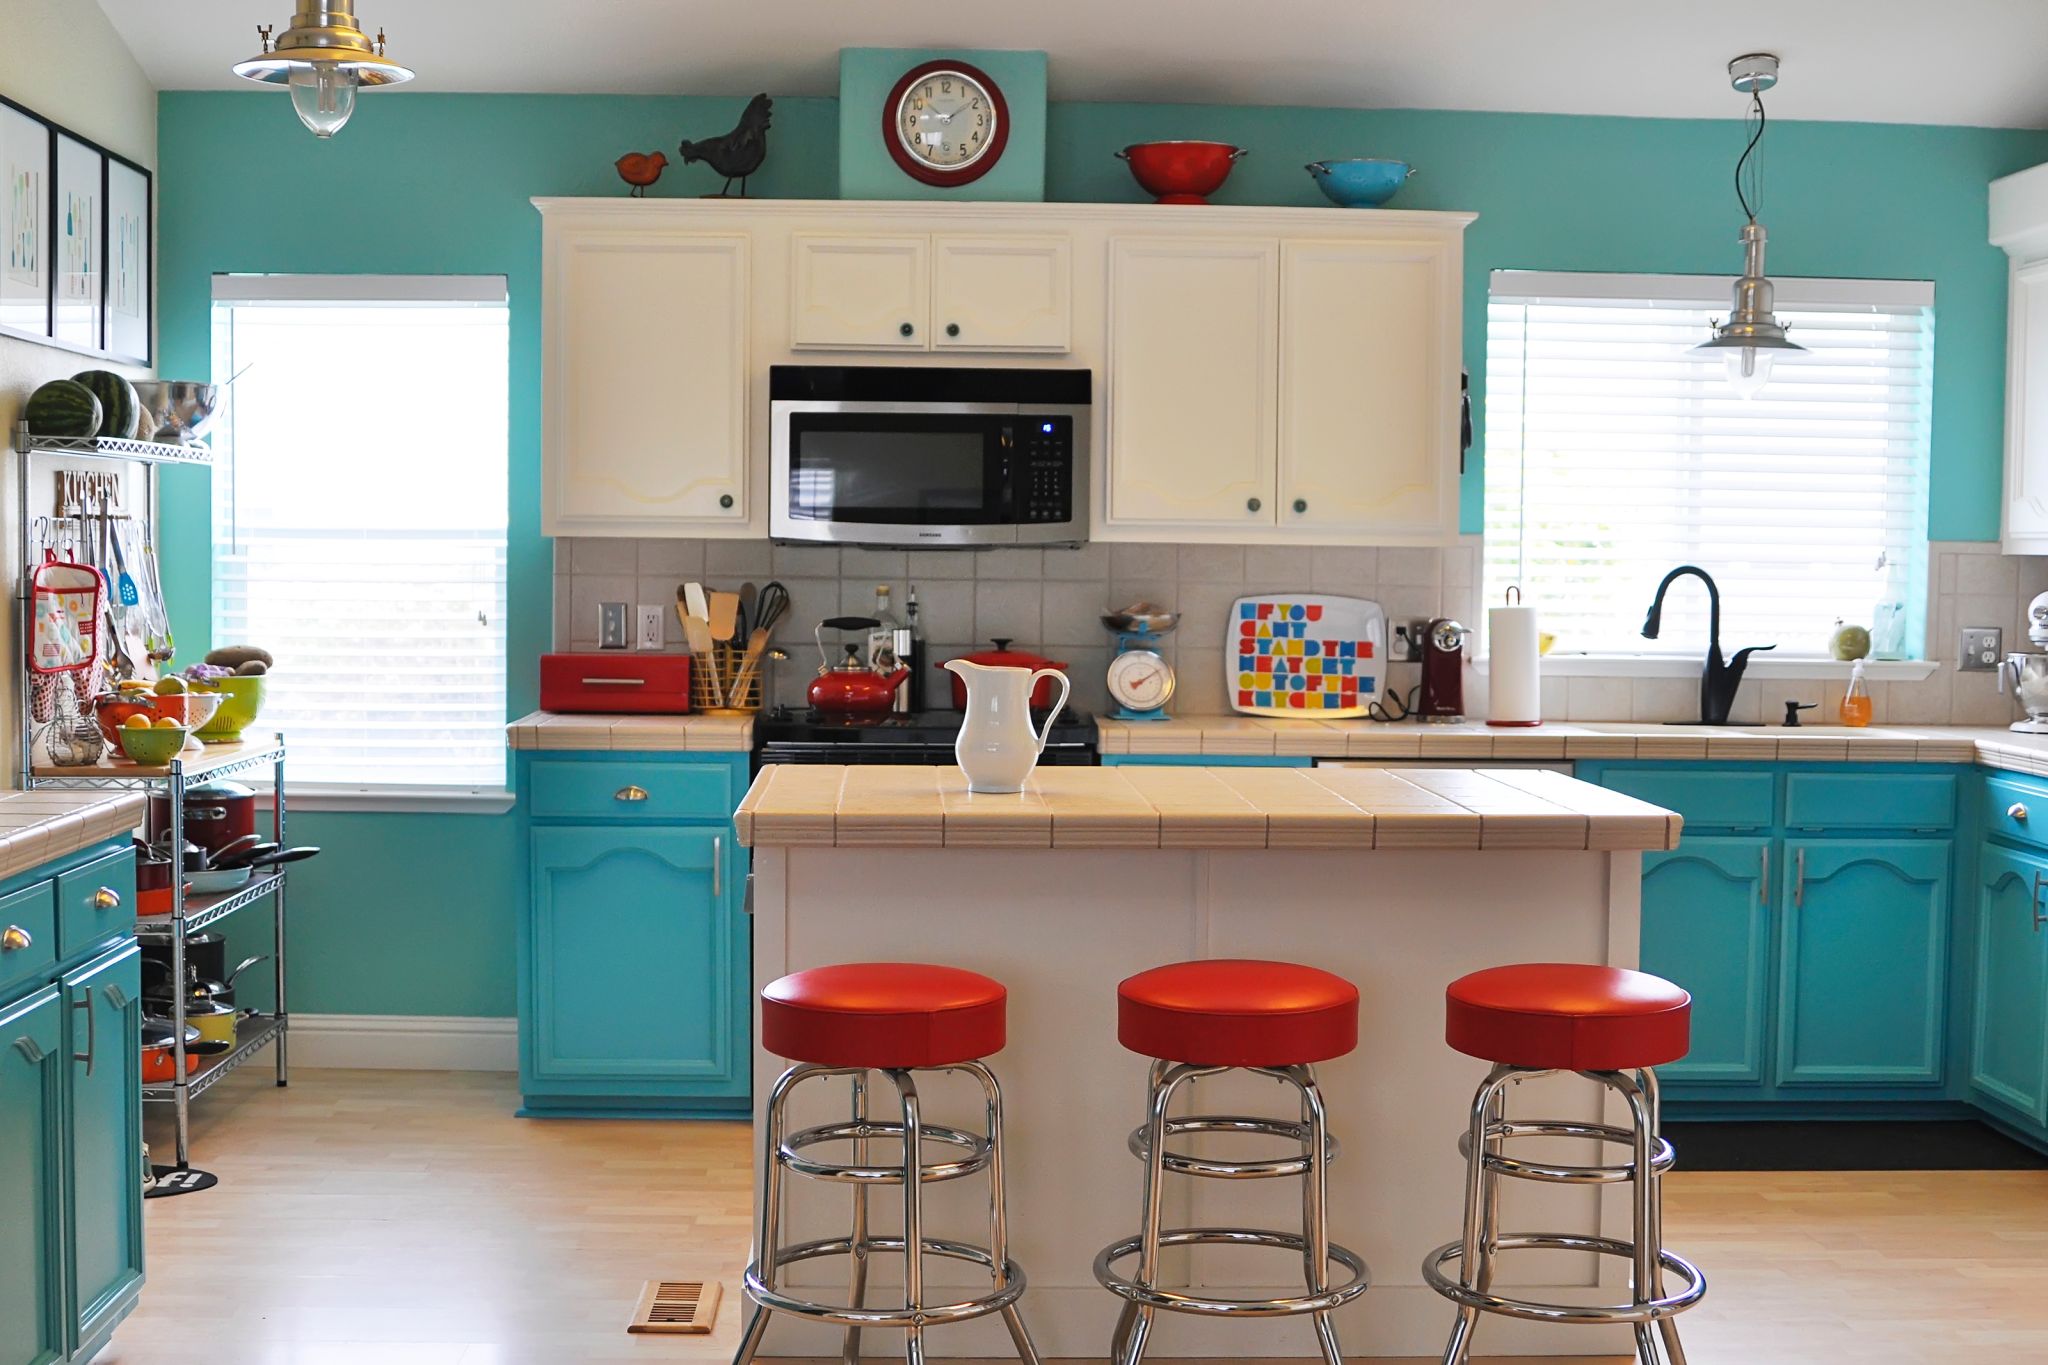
1610	1025
1198	1019
896	1018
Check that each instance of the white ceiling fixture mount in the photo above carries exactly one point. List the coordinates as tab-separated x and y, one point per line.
1751	337
323	58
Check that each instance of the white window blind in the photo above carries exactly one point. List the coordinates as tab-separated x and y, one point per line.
359	521
1613	455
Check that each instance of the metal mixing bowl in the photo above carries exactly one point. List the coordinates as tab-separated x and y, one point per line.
179	409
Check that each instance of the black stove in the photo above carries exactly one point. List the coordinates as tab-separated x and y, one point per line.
905	737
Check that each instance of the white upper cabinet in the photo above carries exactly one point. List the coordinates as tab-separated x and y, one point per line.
2019	223
860	293
1369	370
1002	293
1192	431
645	369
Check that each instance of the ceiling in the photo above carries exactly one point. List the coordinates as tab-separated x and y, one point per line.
1892	61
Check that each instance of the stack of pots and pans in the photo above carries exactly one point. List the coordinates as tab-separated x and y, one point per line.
209	1003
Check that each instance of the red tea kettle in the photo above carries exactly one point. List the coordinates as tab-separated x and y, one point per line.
850	687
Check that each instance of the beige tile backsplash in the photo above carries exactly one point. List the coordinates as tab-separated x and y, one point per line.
1050	601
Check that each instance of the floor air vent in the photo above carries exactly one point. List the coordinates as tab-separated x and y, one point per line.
677	1306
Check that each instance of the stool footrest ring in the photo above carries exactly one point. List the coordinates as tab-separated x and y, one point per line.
1662	1154
791	1153
1179	1163
1176	1302
926	1315
1670	1305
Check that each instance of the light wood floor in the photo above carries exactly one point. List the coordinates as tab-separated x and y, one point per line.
390	1218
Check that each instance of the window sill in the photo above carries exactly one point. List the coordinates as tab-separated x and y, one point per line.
342	796
1760	666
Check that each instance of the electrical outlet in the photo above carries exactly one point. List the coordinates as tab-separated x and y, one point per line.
611	625
650	619
1980	649
1404	640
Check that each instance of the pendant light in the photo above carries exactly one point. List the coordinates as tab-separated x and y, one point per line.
323	58
1752	337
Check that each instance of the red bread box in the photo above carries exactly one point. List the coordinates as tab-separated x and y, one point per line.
615	681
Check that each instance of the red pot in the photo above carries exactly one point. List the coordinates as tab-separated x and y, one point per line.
1002	656
216	814
1181	172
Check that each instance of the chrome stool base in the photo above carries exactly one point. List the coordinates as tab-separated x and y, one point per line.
978	1153
1472	1259
1150	1144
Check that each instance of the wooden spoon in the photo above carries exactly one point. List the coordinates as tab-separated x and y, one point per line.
698	632
750	664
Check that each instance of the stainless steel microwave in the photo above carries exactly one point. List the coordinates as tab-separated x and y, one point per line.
933	457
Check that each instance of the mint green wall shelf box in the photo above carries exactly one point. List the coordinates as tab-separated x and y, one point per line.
866	171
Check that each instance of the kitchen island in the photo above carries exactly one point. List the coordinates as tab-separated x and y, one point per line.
1401	882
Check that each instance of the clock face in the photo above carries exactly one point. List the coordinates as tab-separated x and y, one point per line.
946	123
1141	680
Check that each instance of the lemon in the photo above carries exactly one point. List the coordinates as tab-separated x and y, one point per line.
138	721
168	723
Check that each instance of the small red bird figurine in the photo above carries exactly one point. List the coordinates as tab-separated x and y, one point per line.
641	169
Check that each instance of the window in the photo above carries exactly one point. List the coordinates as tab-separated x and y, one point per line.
359	521
1612	456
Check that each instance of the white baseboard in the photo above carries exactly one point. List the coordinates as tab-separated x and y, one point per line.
405	1042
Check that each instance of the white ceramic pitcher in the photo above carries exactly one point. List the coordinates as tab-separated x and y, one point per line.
997	747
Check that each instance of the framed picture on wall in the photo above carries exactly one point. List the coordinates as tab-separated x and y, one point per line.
79	240
24	223
128	262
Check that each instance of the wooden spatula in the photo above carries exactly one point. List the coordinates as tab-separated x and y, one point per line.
697	631
724	615
750	664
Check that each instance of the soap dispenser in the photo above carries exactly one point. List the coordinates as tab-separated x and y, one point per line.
1856	700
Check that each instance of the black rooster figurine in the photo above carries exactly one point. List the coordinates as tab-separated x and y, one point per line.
737	154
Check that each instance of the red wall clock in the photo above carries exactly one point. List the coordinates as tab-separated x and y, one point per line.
945	123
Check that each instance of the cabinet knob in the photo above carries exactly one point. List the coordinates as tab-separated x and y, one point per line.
1301	504
14	939
2017	811
907	330
952	329
1252	504
630	792
106	898
725	500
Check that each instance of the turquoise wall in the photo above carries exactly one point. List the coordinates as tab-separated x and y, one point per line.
410	914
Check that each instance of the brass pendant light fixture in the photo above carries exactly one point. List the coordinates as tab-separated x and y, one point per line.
323	59
1752	337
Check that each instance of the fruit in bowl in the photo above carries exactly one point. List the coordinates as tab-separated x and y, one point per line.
237	674
113	710
152	744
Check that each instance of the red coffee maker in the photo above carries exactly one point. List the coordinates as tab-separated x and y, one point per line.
1443	673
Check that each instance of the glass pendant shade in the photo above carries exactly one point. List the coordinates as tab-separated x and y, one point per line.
1752	337
323	95
1749	369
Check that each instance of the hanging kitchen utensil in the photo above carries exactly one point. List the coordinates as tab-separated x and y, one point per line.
124	584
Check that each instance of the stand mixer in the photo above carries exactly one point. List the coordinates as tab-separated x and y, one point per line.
2029	672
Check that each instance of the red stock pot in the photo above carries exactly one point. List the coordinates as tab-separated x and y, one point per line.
216	814
1002	656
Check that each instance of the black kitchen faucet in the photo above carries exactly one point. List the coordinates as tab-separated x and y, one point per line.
1720	677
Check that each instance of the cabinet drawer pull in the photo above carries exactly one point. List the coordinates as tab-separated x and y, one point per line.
952	329
615	682
14	938
106	898
1301	505
2017	811
907	330
717	867
92	1024
629	792
2040	881
1252	504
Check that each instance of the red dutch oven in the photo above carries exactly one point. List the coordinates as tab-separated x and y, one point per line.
216	814
1180	172
1002	656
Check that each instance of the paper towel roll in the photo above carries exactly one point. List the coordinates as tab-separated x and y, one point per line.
1514	675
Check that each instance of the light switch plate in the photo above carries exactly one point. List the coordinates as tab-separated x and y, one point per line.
1980	649
648	635
611	625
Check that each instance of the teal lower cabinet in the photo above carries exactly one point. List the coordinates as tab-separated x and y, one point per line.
2009	1027
635	955
1707	918
1863	958
70	1119
1809	910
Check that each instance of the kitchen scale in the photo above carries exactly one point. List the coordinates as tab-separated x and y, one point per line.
1140	679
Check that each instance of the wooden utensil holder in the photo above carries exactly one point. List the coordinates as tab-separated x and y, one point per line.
722	667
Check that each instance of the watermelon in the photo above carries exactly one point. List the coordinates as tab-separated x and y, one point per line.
120	405
62	407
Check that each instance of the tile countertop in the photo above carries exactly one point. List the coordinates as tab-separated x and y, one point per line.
1364	739
1198	808
704	734
41	826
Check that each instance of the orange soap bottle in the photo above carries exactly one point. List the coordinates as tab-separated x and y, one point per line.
1856	701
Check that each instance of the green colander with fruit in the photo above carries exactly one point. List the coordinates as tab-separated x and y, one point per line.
239	676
